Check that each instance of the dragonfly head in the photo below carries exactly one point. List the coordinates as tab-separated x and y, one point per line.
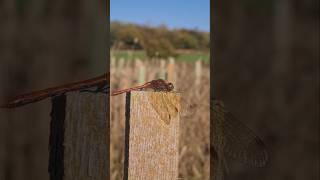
171	87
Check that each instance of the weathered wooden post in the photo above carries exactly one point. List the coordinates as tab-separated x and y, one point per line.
171	71
141	68
152	133
162	72
79	137
198	74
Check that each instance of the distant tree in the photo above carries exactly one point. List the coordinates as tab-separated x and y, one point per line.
185	40
126	36
157	41
159	48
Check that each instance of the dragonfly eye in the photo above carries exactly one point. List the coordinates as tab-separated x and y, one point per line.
171	87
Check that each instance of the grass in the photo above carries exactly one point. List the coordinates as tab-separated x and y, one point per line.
129	54
186	57
194	57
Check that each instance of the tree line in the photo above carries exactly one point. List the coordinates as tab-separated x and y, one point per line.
157	41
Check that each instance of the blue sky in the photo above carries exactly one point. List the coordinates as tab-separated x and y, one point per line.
174	13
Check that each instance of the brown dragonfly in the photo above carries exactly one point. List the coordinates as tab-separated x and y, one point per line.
155	85
166	109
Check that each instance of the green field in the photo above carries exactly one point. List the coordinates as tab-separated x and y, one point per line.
188	57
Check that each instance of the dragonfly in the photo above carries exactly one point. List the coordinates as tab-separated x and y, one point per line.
167	108
155	85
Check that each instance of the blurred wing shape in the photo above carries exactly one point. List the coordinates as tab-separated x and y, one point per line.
188	108
166	105
233	138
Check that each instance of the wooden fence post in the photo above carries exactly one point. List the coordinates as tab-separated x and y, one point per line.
171	71
79	137
152	133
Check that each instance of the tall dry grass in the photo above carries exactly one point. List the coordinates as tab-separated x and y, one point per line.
192	80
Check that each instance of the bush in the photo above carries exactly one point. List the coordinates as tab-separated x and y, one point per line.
159	48
157	41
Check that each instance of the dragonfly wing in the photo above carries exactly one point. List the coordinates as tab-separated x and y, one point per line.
165	104
233	138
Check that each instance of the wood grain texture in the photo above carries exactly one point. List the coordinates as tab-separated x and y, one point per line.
86	137
152	152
